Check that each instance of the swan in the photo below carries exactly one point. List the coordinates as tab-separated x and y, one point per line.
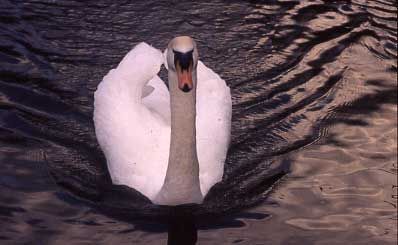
168	144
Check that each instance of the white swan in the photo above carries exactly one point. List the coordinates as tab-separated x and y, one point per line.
170	146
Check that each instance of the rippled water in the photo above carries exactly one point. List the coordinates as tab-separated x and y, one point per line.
313	157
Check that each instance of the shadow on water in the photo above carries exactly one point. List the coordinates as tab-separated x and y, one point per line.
183	226
182	230
180	222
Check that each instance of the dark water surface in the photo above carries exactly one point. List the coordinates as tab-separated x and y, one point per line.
313	157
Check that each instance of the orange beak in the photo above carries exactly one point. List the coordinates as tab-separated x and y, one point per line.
184	78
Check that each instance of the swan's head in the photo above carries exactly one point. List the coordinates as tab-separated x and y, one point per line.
182	58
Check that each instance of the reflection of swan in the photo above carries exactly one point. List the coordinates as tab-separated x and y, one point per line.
170	159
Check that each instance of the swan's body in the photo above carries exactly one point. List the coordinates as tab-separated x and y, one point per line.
132	116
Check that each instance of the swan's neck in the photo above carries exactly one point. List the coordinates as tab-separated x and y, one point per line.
181	184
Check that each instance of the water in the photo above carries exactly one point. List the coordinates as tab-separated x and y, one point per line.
313	158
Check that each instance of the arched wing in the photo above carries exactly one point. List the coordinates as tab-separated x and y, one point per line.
130	117
213	120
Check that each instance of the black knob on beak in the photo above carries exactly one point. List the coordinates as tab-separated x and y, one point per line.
186	88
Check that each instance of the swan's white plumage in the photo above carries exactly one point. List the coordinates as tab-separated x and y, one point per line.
132	122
